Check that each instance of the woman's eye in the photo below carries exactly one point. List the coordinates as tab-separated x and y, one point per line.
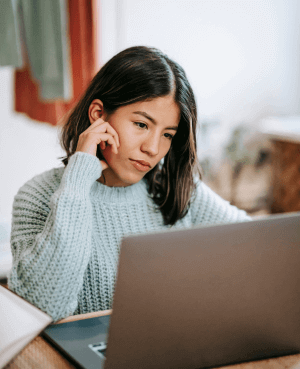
140	124
169	136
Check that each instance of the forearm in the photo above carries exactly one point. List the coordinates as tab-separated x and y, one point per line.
49	265
210	208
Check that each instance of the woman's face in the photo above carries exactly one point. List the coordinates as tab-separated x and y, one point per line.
145	132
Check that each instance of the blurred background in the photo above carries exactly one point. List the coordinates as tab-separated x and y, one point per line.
242	58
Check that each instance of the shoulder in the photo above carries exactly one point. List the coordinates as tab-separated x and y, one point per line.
205	194
208	207
40	187
46	181
31	205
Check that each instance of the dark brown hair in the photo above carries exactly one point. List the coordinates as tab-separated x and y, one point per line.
136	74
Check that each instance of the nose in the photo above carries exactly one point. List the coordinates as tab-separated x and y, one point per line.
151	145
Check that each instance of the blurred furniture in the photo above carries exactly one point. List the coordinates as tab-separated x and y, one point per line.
248	153
244	175
40	354
284	132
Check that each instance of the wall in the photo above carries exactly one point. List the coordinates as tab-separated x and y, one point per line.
27	148
242	57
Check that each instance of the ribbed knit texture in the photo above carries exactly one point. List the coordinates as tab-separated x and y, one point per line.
67	229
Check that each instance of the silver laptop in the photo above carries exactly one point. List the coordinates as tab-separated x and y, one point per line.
197	298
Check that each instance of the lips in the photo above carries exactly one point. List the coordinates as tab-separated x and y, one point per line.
143	162
141	165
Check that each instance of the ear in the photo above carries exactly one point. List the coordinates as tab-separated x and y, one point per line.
96	111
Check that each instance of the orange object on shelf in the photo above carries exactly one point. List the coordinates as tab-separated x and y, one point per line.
84	65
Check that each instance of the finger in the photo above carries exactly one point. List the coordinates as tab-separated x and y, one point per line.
93	127
98	121
110	140
105	127
104	164
113	144
114	133
108	129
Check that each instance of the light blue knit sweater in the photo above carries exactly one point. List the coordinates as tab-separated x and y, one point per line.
67	228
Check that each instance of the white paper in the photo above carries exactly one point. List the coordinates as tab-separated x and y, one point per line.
20	323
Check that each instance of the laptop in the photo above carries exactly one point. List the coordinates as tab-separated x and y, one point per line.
197	298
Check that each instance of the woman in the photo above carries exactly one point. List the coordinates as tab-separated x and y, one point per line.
131	167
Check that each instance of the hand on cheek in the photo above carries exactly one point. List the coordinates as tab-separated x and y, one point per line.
108	153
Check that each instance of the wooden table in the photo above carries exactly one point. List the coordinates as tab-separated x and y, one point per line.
39	354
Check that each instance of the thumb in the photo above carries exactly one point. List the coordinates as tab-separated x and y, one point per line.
104	164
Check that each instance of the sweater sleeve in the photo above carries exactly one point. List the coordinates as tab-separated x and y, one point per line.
51	237
209	208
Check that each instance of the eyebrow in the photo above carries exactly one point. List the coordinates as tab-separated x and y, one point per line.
144	114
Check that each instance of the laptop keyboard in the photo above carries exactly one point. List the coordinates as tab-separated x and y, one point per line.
99	349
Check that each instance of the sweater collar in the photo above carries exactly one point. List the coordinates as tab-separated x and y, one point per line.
129	194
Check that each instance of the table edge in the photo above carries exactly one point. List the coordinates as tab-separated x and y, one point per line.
94	314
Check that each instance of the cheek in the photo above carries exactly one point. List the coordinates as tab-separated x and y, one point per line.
111	157
108	154
163	153
165	150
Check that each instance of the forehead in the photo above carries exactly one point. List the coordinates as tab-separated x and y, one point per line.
164	110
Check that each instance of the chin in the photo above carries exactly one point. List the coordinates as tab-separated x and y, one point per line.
120	177
131	179
123	175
